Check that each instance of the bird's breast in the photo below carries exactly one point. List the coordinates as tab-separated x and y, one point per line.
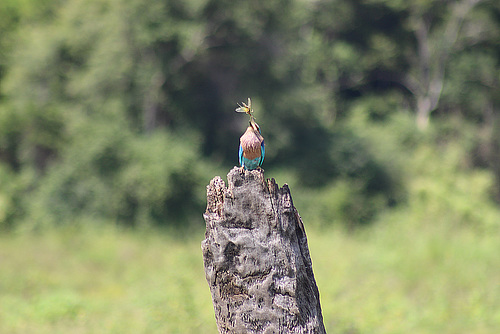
250	143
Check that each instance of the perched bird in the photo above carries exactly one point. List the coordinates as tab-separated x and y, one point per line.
252	147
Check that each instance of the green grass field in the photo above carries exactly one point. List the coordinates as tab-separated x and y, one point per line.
389	278
103	280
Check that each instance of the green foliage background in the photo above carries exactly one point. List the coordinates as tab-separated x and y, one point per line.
120	110
382	116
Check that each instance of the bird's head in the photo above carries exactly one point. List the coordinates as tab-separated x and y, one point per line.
254	124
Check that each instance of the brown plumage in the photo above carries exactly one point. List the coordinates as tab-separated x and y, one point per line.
250	143
252	148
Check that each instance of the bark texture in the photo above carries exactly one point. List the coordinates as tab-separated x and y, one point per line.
256	258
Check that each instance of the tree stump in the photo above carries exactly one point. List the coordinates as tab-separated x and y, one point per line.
256	258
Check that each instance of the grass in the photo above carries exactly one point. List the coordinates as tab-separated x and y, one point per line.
397	279
390	278
103	280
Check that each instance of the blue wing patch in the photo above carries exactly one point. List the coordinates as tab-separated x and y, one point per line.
263	152
240	156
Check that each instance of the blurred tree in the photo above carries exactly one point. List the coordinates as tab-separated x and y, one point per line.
122	178
99	98
85	91
438	33
14	14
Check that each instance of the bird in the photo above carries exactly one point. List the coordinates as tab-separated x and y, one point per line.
252	147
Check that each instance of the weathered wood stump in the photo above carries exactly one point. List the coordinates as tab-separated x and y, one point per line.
256	258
